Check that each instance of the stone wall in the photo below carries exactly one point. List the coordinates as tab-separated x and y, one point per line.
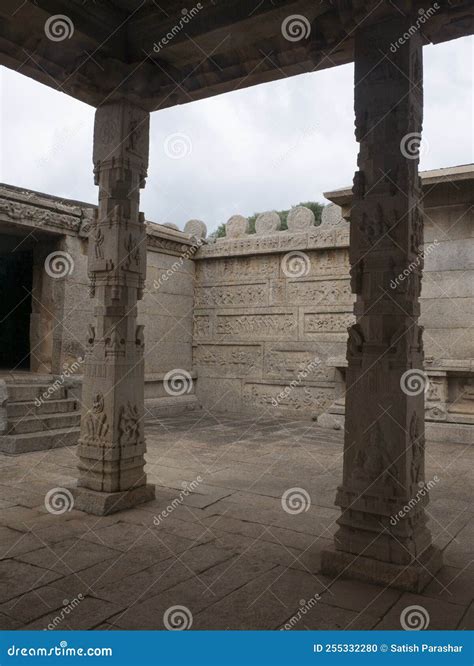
268	304
447	300
63	310
258	322
271	309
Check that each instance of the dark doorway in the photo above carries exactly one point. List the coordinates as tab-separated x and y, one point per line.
16	277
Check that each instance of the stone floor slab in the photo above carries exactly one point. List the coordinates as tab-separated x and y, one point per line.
228	551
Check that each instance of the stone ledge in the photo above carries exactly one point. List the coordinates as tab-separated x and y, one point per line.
454	433
170	406
282	241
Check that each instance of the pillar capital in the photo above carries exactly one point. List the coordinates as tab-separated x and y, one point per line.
121	138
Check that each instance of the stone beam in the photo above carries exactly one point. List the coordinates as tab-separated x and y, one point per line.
107	52
112	440
382	535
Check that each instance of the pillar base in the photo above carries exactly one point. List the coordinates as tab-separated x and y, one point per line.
409	577
103	504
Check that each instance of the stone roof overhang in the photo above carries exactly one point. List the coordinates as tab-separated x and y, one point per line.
115	48
430	181
27	211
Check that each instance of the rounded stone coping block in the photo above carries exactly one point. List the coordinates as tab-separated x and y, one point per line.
267	223
331	214
195	228
170	225
300	218
237	226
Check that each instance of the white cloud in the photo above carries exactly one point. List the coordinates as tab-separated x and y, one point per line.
261	148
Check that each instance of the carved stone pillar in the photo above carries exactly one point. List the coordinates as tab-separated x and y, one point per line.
112	441
382	535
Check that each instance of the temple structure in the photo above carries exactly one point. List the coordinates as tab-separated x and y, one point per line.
130	58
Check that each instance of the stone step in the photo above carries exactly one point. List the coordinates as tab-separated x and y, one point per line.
159	407
29	392
28	442
40	423
29	408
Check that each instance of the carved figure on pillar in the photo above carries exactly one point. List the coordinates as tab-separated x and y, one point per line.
112	442
383	467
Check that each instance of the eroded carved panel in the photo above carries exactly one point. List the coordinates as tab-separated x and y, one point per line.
228	360
265	325
285	398
332	322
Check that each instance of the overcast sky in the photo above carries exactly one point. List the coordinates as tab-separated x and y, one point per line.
262	148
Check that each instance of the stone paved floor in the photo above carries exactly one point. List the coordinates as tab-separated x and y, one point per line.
227	552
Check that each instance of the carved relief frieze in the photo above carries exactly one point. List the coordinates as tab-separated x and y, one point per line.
131	261
231	295
265	325
37	216
234	269
95	427
436	396
374	464
286	398
129	425
308	292
293	363
280	242
228	360
98	242
332	322
201	326
114	344
167	245
329	261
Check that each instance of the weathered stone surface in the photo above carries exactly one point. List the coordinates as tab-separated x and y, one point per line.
237	227
20	577
384	454
441	613
103	504
300	219
331	214
113	388
412	577
267	223
195	228
200	556
235	278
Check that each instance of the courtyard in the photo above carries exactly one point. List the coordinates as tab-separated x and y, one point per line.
222	409
244	506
